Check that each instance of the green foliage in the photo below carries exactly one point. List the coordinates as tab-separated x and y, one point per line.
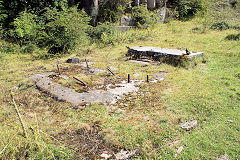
63	30
11	9
66	30
10	48
104	28
111	10
233	37
26	28
109	34
187	8
142	16
220	26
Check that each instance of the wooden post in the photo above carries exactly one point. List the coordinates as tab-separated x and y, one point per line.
19	115
86	63
129	78
147	79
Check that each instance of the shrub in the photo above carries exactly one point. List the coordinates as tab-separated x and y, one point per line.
66	30
10	48
25	28
30	48
220	26
233	37
143	17
58	31
187	8
237	27
111	10
104	28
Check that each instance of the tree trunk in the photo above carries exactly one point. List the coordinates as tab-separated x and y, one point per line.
151	4
158	3
94	12
137	2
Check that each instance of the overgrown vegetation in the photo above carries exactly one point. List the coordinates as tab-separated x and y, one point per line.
206	89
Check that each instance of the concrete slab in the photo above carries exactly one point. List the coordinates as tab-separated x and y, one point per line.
157	52
111	95
62	93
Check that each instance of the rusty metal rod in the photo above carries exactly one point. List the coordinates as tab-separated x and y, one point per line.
83	83
58	68
86	63
108	68
147	78
129	78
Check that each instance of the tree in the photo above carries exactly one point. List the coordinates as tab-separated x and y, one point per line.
12	8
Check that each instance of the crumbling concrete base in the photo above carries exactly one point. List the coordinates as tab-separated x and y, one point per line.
61	93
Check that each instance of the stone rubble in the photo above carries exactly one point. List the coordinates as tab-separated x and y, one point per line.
188	125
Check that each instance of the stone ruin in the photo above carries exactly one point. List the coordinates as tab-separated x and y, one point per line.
111	94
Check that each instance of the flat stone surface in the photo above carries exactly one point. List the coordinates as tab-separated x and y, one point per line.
140	62
62	93
165	51
124	88
159	76
188	125
83	64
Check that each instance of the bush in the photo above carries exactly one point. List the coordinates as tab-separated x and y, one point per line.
25	29
10	48
187	8
233	37
58	31
143	17
111	10
220	26
66	30
104	28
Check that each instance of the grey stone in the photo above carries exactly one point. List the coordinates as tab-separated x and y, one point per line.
124	155
188	125
179	150
224	157
127	21
105	155
159	76
231	121
73	60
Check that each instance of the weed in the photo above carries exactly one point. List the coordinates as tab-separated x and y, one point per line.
233	37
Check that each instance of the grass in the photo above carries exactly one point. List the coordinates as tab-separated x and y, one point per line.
148	120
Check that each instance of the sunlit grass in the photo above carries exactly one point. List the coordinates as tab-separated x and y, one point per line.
208	92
